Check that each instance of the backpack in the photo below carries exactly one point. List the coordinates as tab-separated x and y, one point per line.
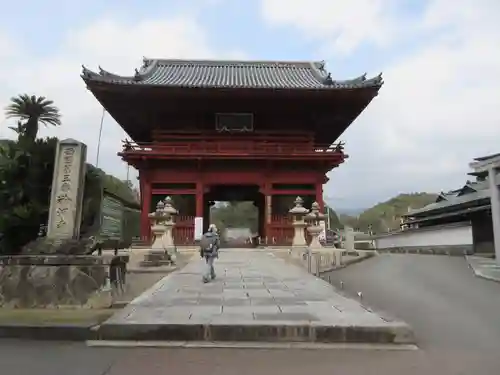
208	243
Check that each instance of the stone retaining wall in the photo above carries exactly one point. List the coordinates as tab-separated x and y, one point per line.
54	281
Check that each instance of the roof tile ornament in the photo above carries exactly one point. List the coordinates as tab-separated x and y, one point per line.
137	75
86	73
328	79
145	63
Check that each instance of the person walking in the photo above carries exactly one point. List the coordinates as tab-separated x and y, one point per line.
209	249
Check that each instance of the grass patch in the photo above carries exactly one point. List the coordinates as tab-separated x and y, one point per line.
55	316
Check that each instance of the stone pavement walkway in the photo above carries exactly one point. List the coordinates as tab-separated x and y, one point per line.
255	297
486	268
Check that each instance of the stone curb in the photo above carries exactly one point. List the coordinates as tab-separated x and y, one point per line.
152	271
481	274
389	333
48	332
347	263
249	345
486	277
455	253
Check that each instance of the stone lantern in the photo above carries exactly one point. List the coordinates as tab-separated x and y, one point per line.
168	221
157	255
298	212
157	228
314	219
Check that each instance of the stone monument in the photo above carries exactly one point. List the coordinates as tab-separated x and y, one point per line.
65	212
168	221
298	212
314	219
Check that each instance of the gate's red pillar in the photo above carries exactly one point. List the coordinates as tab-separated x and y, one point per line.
266	191
146	207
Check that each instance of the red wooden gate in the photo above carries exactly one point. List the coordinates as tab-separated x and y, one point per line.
184	230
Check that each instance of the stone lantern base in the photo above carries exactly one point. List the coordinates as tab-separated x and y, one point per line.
315	231
168	242
157	258
299	244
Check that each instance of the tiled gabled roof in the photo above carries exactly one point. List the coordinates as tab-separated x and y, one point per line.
454	198
233	74
487	157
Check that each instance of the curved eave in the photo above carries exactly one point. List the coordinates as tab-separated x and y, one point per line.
140	80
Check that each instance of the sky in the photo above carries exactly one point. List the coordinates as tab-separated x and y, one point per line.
438	109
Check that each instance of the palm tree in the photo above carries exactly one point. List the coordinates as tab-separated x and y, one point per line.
33	110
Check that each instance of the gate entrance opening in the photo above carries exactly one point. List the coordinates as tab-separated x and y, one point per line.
238	212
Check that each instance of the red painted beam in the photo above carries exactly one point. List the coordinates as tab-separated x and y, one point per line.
174	191
231	177
293	192
193	192
330	158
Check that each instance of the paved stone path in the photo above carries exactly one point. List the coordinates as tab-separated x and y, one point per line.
256	296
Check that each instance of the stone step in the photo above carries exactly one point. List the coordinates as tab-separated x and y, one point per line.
399	334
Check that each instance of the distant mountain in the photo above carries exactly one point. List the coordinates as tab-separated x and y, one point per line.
349	211
386	215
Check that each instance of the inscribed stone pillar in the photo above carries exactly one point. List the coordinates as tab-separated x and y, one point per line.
65	213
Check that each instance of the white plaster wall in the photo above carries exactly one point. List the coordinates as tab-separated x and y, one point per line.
438	236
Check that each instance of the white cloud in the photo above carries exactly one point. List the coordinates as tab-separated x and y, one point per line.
439	106
342	25
8	49
117	47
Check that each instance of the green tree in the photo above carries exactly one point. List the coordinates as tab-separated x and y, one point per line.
25	182
235	215
31	111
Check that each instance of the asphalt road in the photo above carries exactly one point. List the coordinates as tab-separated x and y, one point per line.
455	315
456	318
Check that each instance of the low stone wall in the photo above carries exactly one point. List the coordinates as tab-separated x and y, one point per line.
326	259
453	250
54	281
456	234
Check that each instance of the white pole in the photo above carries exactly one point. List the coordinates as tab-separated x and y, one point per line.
99	140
